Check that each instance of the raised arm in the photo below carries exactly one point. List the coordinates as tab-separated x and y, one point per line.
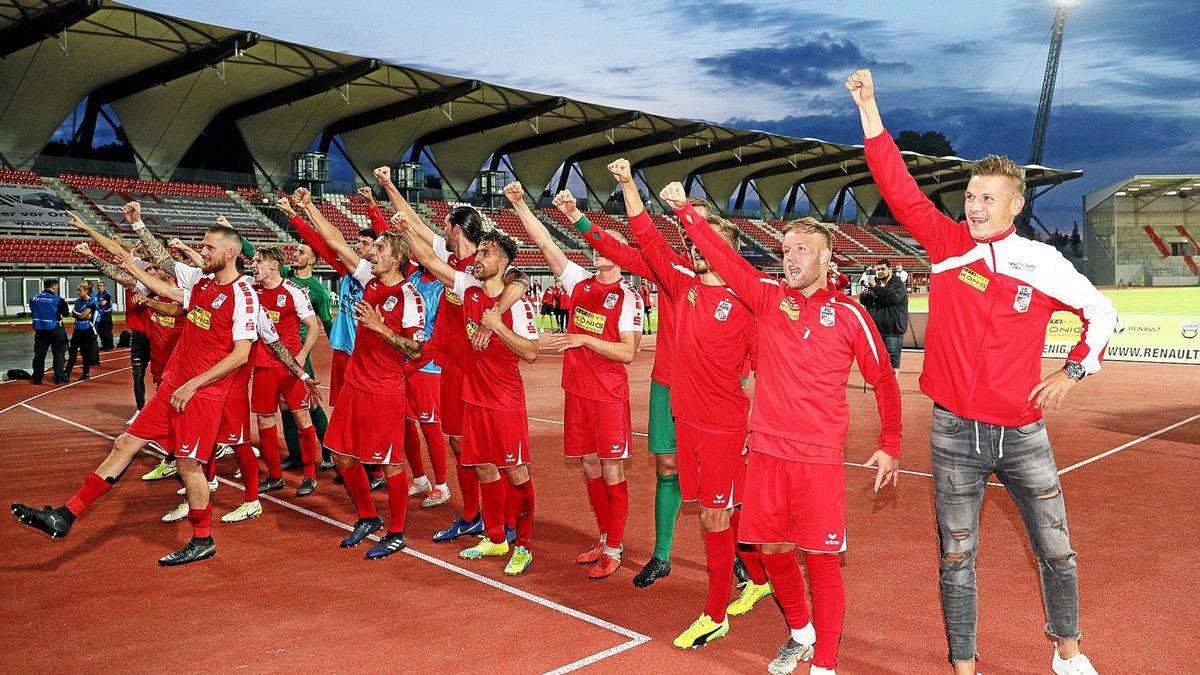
400	205
106	268
151	282
752	286
379	222
106	243
422	250
538	234
626	257
158	306
310	236
155	251
333	237
663	260
194	255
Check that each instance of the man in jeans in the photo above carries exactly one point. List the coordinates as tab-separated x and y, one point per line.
992	296
886	300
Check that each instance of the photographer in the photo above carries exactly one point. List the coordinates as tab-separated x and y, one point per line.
886	298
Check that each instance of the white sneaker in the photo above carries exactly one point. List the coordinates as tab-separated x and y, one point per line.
246	511
437	495
131	419
223	450
419	487
212	487
178	513
1076	665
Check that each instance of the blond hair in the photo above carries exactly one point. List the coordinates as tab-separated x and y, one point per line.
810	225
273	254
728	231
999	165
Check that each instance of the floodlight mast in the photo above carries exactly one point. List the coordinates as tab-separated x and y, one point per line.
1061	7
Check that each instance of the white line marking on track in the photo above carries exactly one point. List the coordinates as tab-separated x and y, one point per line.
62	387
1119	448
634	638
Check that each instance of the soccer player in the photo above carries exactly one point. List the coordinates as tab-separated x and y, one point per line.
421	418
184	412
388	344
715	338
495	424
602	336
991	301
795	480
287	306
463	228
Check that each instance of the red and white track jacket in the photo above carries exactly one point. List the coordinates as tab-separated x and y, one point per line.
989	304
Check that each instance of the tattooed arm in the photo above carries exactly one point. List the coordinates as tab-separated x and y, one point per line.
155	251
106	268
369	317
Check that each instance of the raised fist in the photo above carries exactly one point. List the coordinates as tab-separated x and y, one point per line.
861	86
132	211
284	204
222	220
75	221
366	195
175	243
514	193
565	201
674	195
302	197
621	171
383	174
398	222
83	249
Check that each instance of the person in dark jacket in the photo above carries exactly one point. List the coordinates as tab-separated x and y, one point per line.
104	323
49	309
83	338
886	299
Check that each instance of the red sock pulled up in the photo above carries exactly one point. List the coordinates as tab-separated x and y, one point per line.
397	487
829	605
598	498
618	512
310	449
92	489
788	583
718	555
201	520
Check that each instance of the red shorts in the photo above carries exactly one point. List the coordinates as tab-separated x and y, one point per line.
712	469
788	502
451	407
362	426
157	368
337	374
191	433
235	422
423	391
495	437
592	427
272	384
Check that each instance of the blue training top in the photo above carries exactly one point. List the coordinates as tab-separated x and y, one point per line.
345	324
80	305
431	295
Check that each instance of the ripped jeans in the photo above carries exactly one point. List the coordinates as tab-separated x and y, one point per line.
965	453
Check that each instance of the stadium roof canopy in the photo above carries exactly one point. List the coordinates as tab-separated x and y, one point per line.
1148	189
169	79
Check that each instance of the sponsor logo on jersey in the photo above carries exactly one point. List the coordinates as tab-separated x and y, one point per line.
589	321
833	539
281	299
471	328
828	316
390	304
723	309
218	301
973	279
791	308
691	296
1024	296
273	315
453	297
610	300
164	321
201	317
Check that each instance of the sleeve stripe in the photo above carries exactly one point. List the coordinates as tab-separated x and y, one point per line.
863	324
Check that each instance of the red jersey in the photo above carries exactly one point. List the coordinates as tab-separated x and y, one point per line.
218	315
492	377
164	332
838	282
550	297
376	366
137	317
285	306
450	332
633	261
806	347
603	311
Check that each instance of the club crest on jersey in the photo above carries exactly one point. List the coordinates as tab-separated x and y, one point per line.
390	303
419	336
791	308
610	300
281	299
723	308
219	300
1024	297
827	316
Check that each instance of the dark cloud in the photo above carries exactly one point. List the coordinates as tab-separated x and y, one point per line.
966	47
621	70
774	21
1170	88
818	61
1165	28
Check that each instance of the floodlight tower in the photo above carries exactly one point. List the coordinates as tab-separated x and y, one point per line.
1061	7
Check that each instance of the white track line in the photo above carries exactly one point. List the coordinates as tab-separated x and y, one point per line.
1119	448
634	638
62	387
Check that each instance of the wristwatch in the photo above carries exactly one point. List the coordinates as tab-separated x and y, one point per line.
1075	370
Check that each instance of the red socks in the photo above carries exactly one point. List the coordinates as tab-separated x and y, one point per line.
412	449
359	489
494	497
618	511
201	520
788	583
436	442
598	498
92	489
829	605
310	449
468	485
524	498
248	464
510	503
397	487
749	553
268	438
718	552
